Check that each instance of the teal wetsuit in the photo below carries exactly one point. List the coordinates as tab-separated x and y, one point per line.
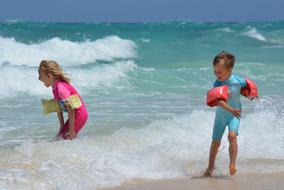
224	118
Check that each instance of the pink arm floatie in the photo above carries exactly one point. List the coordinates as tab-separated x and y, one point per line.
216	94
250	91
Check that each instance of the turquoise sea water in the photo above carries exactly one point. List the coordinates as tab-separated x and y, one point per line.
144	85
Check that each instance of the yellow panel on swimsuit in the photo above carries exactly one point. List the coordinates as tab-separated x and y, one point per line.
74	101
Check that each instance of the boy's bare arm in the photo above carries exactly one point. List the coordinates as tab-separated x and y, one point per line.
229	108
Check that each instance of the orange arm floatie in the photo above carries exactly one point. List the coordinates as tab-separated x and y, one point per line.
216	94
250	91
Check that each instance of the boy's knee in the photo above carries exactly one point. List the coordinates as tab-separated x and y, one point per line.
216	143
232	136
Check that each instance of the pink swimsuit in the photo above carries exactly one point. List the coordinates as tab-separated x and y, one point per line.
62	90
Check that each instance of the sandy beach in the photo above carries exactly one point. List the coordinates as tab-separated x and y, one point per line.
248	181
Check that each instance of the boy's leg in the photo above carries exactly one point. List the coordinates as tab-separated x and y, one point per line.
212	157
233	148
233	151
213	153
218	130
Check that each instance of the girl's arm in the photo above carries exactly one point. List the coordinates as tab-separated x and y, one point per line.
71	117
229	108
61	120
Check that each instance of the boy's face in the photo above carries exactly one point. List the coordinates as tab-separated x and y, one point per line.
46	78
222	73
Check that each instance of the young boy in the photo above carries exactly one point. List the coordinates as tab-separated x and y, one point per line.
228	112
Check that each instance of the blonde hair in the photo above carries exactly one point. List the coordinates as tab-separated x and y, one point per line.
53	68
224	57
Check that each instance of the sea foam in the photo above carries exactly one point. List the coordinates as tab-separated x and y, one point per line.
24	80
66	52
169	148
253	33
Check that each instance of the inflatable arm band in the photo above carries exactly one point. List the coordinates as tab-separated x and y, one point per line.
216	94
55	106
250	91
50	106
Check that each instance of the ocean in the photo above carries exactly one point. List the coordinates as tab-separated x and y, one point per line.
144	85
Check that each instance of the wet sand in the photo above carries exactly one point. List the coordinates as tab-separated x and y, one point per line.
238	182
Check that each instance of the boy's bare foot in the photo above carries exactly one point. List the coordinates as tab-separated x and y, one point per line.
233	170
208	172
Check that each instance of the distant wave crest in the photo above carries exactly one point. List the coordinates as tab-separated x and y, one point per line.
66	52
253	33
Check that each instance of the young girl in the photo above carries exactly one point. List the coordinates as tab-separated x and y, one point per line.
51	74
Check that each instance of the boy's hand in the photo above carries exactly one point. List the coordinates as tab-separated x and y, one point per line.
236	112
229	108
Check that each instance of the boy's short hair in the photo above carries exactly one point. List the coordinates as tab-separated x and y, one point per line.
226	58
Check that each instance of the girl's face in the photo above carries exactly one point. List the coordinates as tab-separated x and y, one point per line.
46	78
222	73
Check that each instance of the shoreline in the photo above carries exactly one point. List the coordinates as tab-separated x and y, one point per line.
238	182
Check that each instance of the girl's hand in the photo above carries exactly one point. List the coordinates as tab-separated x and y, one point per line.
67	105
71	116
58	137
70	135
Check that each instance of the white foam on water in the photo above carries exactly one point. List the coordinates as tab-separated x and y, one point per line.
16	81
66	52
170	148
107	75
229	30
253	33
145	40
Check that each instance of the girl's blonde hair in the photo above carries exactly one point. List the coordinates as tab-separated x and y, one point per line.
53	68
